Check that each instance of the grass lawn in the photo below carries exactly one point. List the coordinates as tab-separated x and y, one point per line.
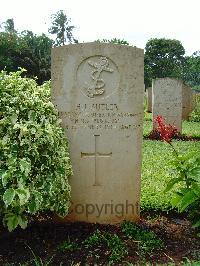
191	129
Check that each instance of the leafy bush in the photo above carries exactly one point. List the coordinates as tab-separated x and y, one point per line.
34	159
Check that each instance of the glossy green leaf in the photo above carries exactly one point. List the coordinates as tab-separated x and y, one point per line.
25	166
171	183
187	199
23	195
11	220
8	196
176	200
22	220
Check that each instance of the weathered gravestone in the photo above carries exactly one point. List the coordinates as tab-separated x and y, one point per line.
98	90
149	99
167	101
187	102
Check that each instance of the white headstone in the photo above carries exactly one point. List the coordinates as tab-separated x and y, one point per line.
187	102
98	90
149	99
167	101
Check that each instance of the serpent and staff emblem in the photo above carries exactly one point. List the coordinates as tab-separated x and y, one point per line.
97	83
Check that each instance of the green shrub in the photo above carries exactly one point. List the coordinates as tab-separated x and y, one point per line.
34	159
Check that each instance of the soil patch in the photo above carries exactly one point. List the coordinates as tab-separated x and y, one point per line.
44	236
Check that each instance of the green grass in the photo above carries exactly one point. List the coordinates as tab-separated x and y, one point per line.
191	128
118	249
147	240
156	172
148	116
147	128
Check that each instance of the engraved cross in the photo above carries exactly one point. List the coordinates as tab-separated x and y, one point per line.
96	155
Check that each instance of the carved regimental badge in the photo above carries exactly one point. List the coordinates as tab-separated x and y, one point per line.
98	76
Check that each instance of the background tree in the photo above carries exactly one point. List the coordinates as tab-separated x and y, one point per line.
36	57
62	29
163	58
26	50
10	46
9	49
9	26
192	70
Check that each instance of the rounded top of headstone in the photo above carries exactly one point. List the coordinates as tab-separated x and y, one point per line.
98	44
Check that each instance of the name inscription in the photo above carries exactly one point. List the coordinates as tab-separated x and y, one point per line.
99	116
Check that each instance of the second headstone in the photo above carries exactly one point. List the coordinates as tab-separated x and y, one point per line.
167	101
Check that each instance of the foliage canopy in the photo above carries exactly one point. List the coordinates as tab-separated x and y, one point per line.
26	50
192	70
163	58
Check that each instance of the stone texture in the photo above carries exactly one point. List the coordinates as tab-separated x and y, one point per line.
187	101
149	99
98	90
167	101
